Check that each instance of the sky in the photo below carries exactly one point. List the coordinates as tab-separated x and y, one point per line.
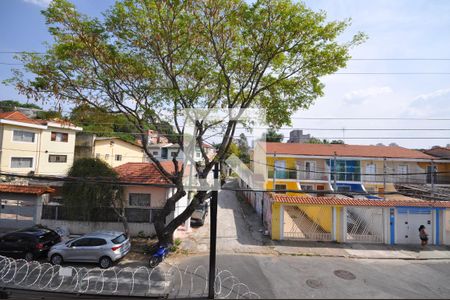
400	29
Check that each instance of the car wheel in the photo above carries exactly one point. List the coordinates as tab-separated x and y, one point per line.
29	256
105	262
56	259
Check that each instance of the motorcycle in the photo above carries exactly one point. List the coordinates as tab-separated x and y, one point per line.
158	256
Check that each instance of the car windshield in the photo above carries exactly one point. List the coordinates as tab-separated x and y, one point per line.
120	239
69	241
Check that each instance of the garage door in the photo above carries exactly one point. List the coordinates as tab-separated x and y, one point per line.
16	214
408	223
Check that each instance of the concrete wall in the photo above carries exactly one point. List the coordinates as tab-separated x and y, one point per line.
76	227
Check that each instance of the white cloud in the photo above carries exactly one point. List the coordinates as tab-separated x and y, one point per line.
42	3
433	104
435	94
358	96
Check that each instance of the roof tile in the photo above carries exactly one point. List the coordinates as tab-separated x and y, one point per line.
25	189
144	173
356	202
344	150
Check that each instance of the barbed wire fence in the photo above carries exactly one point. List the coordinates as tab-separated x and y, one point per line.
163	281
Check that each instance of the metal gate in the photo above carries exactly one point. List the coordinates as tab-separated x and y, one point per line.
17	213
307	223
365	224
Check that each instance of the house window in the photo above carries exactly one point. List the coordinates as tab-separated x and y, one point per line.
307	187
197	154
164	153
173	154
155	153
60	137
138	199
21	162
118	157
97	155
57	158
280	187
106	156
23	136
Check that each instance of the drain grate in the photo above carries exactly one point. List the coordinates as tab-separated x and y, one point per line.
344	274
313	283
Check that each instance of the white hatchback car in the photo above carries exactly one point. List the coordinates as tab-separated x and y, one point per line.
102	247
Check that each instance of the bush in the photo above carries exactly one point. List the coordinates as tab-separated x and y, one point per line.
175	246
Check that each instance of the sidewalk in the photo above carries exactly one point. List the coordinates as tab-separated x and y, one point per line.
361	251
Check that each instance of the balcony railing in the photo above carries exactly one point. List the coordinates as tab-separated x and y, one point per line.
413	178
296	175
283	174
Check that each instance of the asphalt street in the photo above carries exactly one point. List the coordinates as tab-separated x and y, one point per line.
319	277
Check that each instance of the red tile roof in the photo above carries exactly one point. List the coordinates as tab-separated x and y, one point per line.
344	150
146	173
356	202
25	189
20	117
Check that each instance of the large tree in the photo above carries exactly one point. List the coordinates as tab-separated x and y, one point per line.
149	59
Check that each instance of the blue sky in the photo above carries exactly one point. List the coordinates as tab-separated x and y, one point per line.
396	29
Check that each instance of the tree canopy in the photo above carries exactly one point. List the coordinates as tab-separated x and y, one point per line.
83	194
273	136
149	60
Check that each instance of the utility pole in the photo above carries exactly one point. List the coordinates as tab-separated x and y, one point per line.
384	178
433	174
334	173
274	170
213	236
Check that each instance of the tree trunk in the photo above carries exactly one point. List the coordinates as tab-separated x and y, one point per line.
165	232
126	227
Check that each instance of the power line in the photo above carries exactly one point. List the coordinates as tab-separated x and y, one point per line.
372	118
390	73
353	59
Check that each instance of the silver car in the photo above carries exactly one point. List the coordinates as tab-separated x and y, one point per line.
102	247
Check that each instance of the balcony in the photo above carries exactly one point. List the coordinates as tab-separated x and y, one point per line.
283	174
297	175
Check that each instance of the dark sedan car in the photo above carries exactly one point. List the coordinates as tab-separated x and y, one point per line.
199	215
29	243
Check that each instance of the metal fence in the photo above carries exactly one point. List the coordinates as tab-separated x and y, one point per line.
307	223
364	224
97	214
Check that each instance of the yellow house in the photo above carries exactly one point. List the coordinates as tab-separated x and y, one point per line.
295	169
41	147
113	150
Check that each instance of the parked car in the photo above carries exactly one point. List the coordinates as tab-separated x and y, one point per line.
29	243
102	247
199	215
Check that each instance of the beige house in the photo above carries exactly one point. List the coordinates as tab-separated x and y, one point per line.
113	150
42	147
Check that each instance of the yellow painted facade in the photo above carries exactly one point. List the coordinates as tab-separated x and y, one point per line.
117	152
320	213
276	221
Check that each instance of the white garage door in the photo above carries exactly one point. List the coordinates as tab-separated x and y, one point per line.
408	223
